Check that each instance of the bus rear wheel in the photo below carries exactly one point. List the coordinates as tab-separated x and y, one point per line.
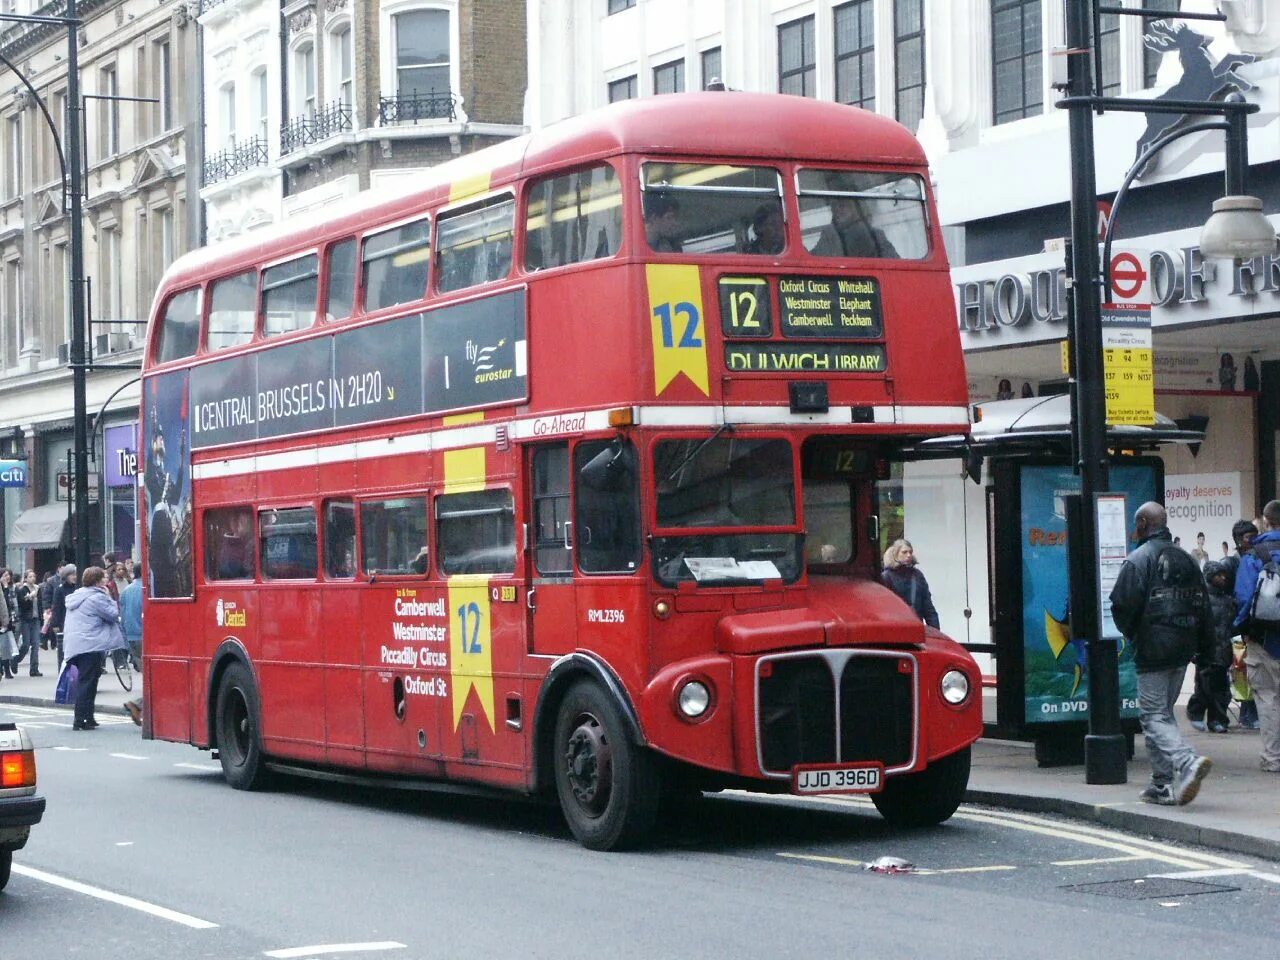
609	787
927	798
237	720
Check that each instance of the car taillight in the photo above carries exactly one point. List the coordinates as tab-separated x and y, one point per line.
18	769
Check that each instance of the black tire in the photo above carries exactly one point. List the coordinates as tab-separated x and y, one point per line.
609	787
6	864
927	798
238	723
124	671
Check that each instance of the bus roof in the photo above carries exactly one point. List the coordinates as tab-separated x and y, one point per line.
729	124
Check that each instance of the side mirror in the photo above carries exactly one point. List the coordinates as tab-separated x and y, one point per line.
610	469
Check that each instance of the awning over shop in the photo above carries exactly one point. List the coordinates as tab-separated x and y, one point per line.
39	527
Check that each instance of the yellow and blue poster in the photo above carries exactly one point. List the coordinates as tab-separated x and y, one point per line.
1055	668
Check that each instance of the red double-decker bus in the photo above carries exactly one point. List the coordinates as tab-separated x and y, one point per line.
559	472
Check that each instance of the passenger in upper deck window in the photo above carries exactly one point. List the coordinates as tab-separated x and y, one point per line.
769	230
850	233
662	222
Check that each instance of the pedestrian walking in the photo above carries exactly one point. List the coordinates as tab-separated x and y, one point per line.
58	615
47	586
119	579
8	638
1262	637
92	630
131	622
1207	708
27	595
903	577
1161	606
1242	534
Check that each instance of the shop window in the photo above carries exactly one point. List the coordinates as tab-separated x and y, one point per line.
289	295
475	246
395	265
233	310
340	539
228	544
180	328
475	532
393	536
287	539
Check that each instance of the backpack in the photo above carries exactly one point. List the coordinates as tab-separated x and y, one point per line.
1264	608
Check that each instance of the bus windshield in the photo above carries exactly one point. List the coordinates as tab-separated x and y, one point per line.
725	485
712	208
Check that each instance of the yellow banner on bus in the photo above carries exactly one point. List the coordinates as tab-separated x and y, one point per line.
678	326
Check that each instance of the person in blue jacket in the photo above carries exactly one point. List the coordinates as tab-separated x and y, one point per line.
131	621
1262	650
91	631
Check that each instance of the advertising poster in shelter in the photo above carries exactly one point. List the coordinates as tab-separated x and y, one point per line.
1056	680
167	479
1202	507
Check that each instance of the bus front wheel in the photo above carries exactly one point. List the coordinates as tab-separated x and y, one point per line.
239	730
927	798
609	787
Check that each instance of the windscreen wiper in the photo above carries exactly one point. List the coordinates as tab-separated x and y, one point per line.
723	428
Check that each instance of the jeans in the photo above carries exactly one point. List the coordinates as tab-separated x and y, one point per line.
1264	677
90	667
29	640
1157	693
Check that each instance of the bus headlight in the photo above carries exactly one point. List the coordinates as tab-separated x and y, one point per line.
955	687
694	699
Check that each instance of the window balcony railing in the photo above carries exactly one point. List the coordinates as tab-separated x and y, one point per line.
207	5
299	132
239	156
416	107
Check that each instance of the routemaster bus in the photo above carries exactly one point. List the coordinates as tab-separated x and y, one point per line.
558	472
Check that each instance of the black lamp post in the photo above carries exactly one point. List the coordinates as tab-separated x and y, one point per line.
1234	230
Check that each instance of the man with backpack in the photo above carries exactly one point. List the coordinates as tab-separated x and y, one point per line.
1258	618
1161	606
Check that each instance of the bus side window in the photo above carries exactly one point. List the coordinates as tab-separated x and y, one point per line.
180	328
340	540
340	289
287	540
475	246
551	509
289	295
233	310
395	265
475	532
573	218
228	544
607	515
393	536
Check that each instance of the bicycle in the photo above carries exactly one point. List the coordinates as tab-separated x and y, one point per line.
122	662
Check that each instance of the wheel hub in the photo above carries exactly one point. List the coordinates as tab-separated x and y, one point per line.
589	763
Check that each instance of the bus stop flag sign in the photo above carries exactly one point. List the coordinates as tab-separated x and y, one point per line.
1126	341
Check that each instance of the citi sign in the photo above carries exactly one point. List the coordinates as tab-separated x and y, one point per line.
13	473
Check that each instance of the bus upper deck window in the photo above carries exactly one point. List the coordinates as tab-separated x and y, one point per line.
233	310
340	287
712	208
289	295
863	213
475	246
395	265
180	328
573	218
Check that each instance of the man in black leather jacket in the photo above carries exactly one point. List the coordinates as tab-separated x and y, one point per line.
1160	604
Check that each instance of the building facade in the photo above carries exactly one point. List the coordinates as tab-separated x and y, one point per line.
136	221
309	101
974	79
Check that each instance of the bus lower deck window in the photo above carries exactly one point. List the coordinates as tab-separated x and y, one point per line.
476	532
288	543
393	536
229	544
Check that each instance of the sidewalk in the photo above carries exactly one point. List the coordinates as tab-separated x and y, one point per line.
1238	808
38	691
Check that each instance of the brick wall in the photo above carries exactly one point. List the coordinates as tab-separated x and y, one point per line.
494	59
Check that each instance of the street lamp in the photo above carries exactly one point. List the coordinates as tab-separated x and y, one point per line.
1236	229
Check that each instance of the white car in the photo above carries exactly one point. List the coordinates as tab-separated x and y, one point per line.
20	808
